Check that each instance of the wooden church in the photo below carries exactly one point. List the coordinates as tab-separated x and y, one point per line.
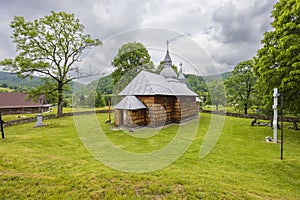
156	99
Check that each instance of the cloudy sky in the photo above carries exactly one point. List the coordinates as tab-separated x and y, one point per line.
226	32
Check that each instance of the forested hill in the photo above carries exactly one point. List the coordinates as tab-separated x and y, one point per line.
12	81
104	85
196	83
224	76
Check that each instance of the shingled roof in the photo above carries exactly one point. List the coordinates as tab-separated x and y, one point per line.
130	103
18	100
146	83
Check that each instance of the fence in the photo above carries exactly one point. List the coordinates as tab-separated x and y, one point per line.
33	119
252	116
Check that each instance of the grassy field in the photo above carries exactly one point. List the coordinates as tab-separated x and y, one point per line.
52	163
2	89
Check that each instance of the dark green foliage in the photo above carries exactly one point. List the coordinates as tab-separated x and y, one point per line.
105	85
197	84
49	46
216	94
240	87
223	76
130	60
277	63
99	101
12	81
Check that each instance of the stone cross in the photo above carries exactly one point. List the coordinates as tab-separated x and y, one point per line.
275	117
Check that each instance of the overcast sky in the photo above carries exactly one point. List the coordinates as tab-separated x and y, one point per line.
225	31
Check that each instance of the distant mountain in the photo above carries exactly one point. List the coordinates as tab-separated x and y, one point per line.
102	85
105	87
223	76
12	81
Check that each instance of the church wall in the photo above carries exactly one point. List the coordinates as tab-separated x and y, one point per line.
160	110
188	107
118	116
138	117
130	118
167	109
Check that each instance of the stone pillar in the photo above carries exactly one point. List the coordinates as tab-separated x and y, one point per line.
275	117
39	120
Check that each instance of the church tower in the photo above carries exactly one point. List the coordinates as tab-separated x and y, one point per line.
167	60
167	71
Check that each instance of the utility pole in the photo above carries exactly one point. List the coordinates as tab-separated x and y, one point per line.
281	144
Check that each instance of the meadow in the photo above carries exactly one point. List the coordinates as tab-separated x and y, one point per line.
51	162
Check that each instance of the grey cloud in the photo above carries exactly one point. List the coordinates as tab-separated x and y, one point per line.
234	53
236	25
229	33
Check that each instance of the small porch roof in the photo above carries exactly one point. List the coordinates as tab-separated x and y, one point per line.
130	103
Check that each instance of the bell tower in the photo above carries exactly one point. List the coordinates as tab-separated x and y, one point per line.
167	60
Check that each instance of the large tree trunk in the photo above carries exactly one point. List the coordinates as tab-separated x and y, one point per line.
60	99
217	107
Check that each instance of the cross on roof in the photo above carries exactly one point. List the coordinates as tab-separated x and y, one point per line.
180	64
168	45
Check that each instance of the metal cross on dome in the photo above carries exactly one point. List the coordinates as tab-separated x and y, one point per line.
168	45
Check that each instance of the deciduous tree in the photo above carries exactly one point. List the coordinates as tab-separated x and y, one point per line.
49	46
240	87
277	63
216	91
130	60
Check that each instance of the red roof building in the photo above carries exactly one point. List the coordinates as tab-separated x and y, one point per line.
17	103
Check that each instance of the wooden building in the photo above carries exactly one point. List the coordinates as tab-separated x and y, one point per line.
156	99
17	103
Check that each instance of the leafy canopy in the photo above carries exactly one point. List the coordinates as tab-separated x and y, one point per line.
49	46
216	93
131	58
277	63
240	87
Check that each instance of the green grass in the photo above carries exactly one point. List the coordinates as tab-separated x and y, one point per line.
2	89
52	163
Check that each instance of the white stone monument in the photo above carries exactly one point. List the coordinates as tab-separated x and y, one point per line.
275	117
39	120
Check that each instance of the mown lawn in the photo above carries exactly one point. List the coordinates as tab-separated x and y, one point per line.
52	163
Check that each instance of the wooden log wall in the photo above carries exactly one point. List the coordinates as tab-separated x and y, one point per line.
118	117
167	109
138	117
160	110
188	107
